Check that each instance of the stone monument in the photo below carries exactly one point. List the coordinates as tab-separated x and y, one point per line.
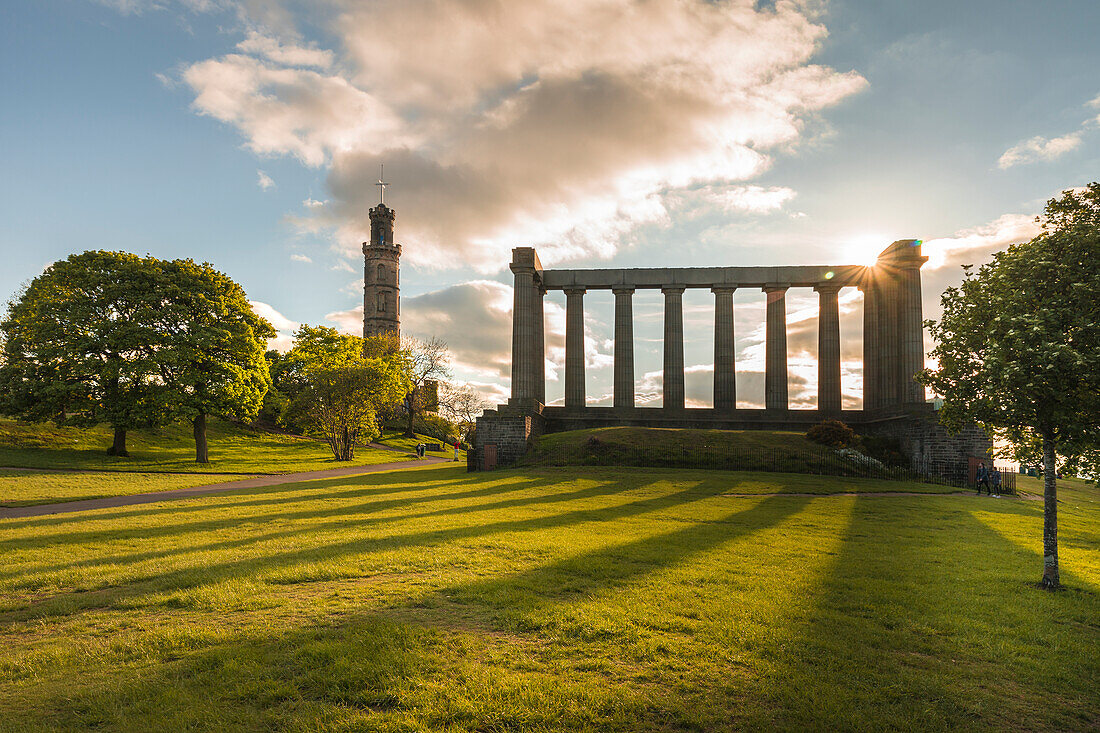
381	272
893	352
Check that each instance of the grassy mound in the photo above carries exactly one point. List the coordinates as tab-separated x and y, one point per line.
233	449
738	450
549	600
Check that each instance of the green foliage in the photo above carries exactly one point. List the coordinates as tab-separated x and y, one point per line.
1018	346
832	433
76	344
213	363
341	385
133	341
596	599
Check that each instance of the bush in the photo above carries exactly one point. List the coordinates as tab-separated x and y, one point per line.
832	433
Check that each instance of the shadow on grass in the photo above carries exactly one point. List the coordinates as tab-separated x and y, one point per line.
929	620
182	578
412	677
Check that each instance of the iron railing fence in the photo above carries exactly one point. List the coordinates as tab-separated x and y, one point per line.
827	462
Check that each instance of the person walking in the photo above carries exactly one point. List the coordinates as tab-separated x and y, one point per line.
457	444
983	479
419	450
995	478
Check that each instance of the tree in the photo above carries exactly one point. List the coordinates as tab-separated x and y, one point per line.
426	361
1018	348
75	346
344	382
462	404
211	356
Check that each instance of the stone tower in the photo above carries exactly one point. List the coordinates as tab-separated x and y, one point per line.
381	276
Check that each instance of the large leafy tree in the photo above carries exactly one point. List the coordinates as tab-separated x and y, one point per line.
75	346
1018	348
342	383
211	356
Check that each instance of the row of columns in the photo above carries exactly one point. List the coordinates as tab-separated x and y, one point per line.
893	349
725	373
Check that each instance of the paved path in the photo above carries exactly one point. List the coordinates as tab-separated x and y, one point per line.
248	483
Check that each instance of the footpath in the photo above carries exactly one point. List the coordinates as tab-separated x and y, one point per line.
172	494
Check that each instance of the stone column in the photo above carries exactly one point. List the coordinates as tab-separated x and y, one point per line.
775	352
871	390
911	326
574	347
540	345
674	349
725	369
828	350
887	292
523	336
624	347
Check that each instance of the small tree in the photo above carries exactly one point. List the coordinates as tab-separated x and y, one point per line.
75	346
344	382
211	359
1019	348
462	404
426	361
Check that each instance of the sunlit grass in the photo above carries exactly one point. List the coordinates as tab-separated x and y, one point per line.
25	487
233	449
551	599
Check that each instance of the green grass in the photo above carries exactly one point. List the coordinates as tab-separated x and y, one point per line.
232	448
27	487
751	450
552	600
397	439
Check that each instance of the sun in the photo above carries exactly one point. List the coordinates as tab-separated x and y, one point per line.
863	248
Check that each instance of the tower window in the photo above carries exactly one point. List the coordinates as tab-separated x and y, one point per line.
381	302
381	273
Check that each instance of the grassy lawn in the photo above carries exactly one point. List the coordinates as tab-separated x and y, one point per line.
550	599
397	439
25	487
233	449
750	450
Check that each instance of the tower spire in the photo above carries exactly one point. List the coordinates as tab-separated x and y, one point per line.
382	183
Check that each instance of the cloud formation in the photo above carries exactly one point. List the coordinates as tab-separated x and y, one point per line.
1040	148
562	124
285	327
264	181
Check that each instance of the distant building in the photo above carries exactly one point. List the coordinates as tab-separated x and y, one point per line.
381	274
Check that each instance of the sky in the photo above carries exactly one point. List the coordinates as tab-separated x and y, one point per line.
604	133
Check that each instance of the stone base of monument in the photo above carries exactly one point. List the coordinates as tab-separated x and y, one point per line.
504	435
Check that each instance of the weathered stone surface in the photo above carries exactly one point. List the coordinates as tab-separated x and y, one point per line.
624	348
381	276
725	371
828	350
775	348
673	376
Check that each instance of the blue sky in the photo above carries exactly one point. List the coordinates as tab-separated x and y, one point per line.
603	132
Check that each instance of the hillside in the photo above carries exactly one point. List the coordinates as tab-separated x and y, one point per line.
234	449
740	450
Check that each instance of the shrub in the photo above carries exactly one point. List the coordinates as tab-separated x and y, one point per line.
832	433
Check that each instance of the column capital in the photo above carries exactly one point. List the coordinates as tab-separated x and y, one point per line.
623	290
723	289
575	290
670	290
524	259
776	287
827	287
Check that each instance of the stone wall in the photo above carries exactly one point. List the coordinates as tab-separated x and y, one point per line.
507	432
928	445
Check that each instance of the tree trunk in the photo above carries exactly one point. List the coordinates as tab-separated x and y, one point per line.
118	448
1050	514
200	439
410	410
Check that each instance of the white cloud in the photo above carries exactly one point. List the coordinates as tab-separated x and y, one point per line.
735	199
300	258
312	203
556	123
285	327
1039	148
264	181
977	243
285	54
